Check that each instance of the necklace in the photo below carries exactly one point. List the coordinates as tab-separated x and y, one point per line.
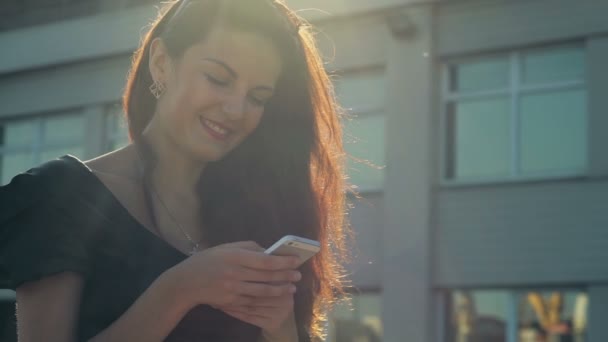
195	245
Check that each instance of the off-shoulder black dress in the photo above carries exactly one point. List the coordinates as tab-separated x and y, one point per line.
60	217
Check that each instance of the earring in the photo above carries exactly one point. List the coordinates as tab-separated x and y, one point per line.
157	89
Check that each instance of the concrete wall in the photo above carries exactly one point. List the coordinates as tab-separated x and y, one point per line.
406	236
62	87
598	311
517	234
482	25
547	233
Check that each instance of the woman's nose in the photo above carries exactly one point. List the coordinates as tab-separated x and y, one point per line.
234	106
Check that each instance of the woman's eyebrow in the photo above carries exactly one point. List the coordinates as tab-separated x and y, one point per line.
233	73
224	65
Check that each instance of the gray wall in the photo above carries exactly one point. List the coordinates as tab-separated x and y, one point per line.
527	234
543	233
598	311
477	25
63	87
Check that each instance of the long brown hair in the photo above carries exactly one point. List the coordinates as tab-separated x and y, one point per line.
287	176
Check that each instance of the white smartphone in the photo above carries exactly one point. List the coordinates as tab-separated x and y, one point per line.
295	245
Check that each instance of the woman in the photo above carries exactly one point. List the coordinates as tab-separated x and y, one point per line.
236	143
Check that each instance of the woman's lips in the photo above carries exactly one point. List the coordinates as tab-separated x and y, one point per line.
214	129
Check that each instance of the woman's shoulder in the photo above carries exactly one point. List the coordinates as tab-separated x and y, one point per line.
46	174
119	173
42	226
43	182
120	163
60	177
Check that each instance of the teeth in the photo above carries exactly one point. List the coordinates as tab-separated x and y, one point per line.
215	127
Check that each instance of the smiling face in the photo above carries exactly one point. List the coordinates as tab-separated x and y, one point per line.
215	93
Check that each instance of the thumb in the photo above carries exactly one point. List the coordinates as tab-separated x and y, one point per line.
248	245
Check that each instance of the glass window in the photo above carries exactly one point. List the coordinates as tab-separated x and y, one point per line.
116	130
8	319
480	315
361	92
364	143
552	316
518	315
481	137
480	75
359	321
18	134
519	116
64	128
52	153
554	131
28	142
553	65
14	163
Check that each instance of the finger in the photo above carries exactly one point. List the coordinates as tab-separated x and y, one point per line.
250	274
249	245
263	313
274	302
261	261
264	290
239	301
248	310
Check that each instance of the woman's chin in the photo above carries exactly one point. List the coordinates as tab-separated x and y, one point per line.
209	155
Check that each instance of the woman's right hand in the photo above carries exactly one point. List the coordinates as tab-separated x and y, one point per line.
234	274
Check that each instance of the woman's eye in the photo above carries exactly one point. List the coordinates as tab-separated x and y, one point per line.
217	81
258	102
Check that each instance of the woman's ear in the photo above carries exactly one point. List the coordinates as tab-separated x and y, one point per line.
159	61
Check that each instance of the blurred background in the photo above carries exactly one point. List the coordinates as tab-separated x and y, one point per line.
480	128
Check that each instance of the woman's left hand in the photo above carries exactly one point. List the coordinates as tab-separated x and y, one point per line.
273	314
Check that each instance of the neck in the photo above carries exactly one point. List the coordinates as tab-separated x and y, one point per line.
175	173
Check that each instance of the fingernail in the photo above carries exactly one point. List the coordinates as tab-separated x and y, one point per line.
292	289
296	276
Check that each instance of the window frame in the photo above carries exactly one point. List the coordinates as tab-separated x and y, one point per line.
515	91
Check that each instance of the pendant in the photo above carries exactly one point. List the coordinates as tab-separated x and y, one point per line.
194	249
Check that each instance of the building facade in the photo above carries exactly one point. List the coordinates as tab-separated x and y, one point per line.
477	130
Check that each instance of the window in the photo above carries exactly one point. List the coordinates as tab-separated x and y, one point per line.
516	116
362	95
116	133
8	320
28	142
358	321
518	315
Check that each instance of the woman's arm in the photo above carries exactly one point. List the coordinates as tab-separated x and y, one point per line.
47	310
287	333
225	275
151	318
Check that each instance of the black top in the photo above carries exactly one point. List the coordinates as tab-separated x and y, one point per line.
61	217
